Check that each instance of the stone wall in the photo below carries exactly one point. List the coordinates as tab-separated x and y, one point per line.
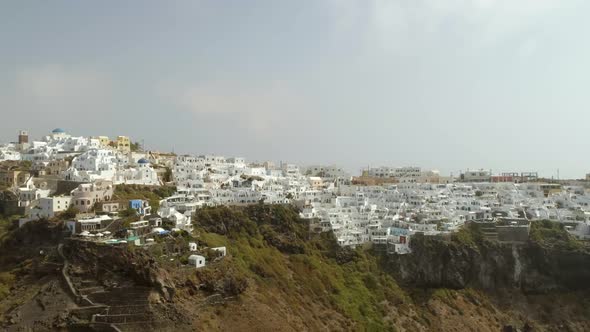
513	234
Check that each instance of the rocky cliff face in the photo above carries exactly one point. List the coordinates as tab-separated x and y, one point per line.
105	262
531	267
278	277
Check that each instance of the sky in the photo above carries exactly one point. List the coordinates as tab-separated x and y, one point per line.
447	85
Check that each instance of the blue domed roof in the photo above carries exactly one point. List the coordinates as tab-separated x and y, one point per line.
143	161
58	131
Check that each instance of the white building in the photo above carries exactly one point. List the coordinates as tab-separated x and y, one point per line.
480	175
48	207
144	174
95	164
87	194
196	260
30	193
180	220
7	153
221	250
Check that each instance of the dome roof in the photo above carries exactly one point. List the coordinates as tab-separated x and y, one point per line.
58	131
143	161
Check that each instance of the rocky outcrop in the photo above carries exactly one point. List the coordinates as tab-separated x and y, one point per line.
533	268
102	262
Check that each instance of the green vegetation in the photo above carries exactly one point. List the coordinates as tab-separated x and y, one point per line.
6	281
135	147
128	212
70	213
167	175
20	258
469	235
128	216
25	165
272	259
444	294
149	193
225	279
271	245
6	225
553	234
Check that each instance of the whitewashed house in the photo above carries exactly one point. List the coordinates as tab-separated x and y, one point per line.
94	164
48	207
196	261
144	174
180	220
7	153
29	193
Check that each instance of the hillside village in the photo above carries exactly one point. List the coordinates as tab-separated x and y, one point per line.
81	178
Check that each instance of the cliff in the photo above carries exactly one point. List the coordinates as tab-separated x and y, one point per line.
544	263
279	277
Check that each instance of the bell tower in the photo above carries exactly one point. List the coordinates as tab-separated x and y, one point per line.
23	137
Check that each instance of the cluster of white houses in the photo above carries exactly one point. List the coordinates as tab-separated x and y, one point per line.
414	201
82	159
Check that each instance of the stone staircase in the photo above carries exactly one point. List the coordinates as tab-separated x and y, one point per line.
124	308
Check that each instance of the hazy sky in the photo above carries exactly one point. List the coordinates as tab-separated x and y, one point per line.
453	84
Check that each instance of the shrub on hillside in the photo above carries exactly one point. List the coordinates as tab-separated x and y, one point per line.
6	281
223	279
551	233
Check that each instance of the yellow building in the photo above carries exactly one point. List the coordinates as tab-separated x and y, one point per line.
550	188
123	144
104	141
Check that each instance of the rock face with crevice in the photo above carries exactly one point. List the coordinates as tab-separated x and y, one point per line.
531	267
